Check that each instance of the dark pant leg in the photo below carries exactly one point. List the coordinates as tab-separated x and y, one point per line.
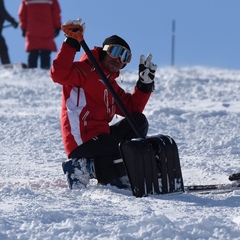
45	59
104	148
107	144
3	51
124	131
102	145
33	58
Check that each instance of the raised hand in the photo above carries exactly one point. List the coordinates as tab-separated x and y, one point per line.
74	29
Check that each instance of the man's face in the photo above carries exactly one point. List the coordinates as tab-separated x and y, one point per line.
112	64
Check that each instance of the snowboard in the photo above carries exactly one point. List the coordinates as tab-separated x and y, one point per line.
216	188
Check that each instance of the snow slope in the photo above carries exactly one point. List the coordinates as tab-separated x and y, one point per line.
199	107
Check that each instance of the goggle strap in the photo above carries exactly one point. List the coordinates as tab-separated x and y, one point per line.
105	48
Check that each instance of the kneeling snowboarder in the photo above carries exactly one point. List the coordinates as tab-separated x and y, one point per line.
88	107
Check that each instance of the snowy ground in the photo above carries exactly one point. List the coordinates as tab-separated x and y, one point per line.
198	107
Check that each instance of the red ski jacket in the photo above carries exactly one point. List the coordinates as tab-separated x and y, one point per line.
39	19
87	105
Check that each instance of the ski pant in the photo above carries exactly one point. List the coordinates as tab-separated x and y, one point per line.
104	148
3	50
44	58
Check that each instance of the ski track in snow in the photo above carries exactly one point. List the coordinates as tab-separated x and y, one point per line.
199	107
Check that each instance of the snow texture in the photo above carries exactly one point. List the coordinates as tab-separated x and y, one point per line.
199	107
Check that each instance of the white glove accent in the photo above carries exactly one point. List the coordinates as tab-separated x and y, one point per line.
76	22
74	29
147	69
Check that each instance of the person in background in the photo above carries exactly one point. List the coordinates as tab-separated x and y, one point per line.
4	15
40	22
88	107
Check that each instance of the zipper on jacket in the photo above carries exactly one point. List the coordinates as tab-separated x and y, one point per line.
85	121
106	101
108	106
113	107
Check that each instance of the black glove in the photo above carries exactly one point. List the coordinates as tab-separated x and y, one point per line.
15	24
73	43
23	33
56	32
146	74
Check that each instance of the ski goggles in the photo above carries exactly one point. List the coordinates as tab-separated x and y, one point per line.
118	51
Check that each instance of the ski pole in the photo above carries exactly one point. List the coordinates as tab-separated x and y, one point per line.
111	89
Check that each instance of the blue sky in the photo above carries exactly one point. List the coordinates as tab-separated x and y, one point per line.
207	31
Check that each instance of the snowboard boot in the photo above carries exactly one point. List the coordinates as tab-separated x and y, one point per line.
79	172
